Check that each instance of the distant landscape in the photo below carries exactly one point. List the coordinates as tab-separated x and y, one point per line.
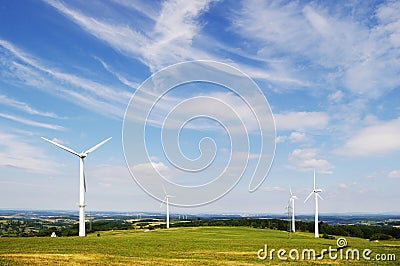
116	238
29	223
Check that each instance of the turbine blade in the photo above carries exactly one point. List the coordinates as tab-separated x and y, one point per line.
290	190
62	147
289	204
308	196
97	146
319	196
162	202
314	178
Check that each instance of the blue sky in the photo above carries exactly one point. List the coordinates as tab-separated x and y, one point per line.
330	72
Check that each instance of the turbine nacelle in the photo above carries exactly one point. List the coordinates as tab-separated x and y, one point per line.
292	197
166	199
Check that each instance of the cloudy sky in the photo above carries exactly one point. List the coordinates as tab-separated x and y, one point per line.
329	70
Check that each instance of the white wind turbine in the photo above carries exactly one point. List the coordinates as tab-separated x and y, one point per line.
291	204
315	191
166	200
82	180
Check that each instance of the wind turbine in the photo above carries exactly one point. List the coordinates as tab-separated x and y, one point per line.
166	200
315	191
291	203
82	180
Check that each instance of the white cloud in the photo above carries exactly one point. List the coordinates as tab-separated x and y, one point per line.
344	51
294	137
336	97
24	107
389	17
297	137
170	40
351	185
31	122
280	139
377	139
230	110
147	170
109	175
23	68
122	79
394	174
304	159
122	38
273	189
301	120
17	152
146	8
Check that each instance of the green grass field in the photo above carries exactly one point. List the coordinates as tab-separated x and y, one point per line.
180	246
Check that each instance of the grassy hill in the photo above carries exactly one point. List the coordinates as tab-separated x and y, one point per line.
185	246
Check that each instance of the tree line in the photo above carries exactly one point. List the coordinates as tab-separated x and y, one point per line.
371	232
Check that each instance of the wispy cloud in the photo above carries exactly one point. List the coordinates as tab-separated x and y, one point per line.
22	68
335	48
16	151
90	86
24	107
301	120
31	122
146	8
121	78
230	110
379	138
177	35
273	189
169	41
336	97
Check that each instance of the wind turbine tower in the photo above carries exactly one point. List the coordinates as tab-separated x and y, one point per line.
291	203
316	195
82	180
166	200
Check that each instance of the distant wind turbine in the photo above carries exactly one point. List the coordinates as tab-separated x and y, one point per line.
315	191
166	200
291	204
82	180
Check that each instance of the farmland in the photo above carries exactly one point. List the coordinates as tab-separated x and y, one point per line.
186	245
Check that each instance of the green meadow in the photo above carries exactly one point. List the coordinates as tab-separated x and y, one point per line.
185	246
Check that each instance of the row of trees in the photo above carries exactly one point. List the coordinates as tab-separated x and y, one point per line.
363	231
